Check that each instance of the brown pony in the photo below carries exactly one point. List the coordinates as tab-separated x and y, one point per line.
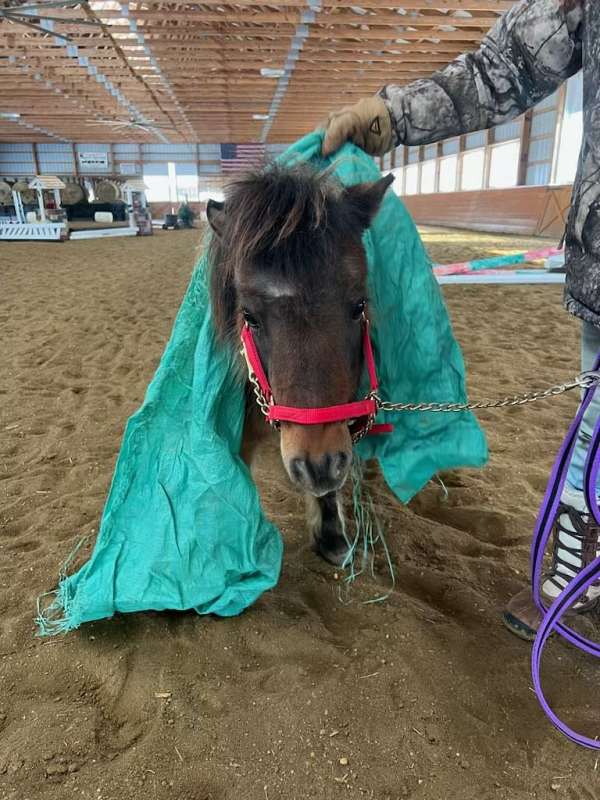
287	259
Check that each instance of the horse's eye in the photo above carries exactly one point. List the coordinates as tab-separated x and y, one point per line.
249	319
359	309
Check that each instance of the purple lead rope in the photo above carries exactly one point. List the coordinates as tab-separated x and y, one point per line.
552	617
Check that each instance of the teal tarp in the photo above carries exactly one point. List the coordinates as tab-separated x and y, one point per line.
182	527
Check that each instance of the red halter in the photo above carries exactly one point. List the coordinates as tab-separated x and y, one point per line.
362	412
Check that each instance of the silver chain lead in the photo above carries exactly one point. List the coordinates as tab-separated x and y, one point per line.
261	400
583	381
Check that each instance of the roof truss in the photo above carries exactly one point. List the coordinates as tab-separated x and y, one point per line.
153	71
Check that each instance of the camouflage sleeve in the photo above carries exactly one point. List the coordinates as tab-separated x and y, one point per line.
530	51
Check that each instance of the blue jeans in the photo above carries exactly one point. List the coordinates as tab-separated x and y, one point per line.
590	348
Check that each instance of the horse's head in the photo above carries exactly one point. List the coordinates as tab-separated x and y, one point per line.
287	260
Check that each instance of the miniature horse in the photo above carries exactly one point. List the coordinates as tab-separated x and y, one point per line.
287	261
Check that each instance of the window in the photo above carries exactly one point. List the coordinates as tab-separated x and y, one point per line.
171	182
508	131
541	150
544	123
539	174
450	147
412	179
448	168
475	140
428	177
399	154
397	185
504	164
186	182
571	132
472	169
156	178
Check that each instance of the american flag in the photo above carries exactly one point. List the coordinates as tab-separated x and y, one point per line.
240	157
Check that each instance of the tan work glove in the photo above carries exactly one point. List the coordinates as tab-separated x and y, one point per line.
367	123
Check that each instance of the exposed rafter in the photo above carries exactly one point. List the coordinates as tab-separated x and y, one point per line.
37	16
214	72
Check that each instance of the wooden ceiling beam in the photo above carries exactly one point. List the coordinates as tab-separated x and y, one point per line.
498	6
387	34
309	50
212	58
238	80
310	58
267	33
349	37
280	18
357	26
206	64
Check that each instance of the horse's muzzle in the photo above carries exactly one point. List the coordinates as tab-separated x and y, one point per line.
320	477
317	458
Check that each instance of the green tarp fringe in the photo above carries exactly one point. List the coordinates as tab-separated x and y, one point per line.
183	527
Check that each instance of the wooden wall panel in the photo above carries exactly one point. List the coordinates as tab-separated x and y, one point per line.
524	210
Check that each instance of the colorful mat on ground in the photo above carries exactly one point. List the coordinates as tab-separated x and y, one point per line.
506	277
183	527
513	260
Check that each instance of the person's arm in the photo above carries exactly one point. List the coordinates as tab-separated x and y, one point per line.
530	51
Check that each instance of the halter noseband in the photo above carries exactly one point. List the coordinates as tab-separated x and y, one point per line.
361	412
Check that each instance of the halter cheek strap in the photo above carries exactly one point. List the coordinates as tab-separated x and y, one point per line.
362	411
254	362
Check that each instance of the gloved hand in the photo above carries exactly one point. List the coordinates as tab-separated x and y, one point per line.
367	123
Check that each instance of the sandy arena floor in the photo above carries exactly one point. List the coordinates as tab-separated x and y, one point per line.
424	697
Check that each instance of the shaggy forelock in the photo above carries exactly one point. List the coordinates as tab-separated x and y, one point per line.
285	222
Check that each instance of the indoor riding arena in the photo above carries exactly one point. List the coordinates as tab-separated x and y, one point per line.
181	620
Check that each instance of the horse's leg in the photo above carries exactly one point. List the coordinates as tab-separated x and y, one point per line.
324	514
325	523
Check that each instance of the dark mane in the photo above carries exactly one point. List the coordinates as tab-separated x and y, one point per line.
286	220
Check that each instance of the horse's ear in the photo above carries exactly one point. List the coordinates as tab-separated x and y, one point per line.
365	198
215	214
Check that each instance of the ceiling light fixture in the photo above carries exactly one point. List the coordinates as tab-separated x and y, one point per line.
268	72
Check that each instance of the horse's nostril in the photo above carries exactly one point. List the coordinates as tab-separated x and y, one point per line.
342	460
317	474
298	469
